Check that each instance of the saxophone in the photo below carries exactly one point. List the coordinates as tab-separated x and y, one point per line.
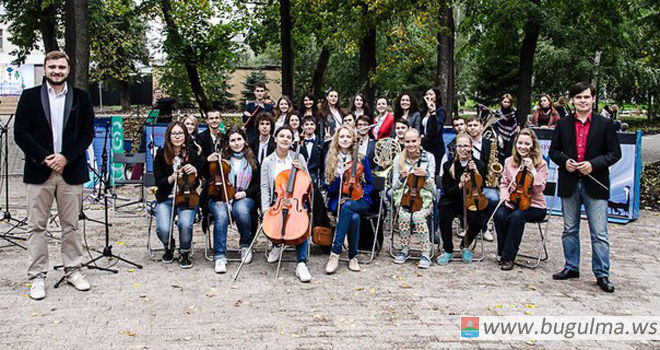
494	167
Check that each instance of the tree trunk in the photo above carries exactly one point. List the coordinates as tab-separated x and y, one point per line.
287	49
77	41
189	64
49	29
367	64
319	71
124	96
526	65
445	65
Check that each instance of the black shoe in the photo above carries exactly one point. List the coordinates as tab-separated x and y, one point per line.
566	274
506	265
168	256
605	284
184	261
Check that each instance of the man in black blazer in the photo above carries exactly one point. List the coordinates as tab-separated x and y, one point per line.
209	137
584	146
264	144
54	126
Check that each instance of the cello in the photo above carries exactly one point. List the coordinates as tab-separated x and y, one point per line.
287	220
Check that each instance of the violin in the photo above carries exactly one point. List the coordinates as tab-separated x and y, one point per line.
220	188
352	187
287	220
186	195
474	196
411	199
521	197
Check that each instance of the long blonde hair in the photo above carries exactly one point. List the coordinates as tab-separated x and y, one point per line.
403	156
332	158
453	161
535	152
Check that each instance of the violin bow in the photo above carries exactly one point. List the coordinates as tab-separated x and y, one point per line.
224	187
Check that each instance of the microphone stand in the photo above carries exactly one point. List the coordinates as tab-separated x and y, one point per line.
4	133
107	250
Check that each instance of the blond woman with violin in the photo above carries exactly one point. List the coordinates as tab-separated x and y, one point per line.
458	180
236	198
349	183
413	183
178	153
281	160
521	189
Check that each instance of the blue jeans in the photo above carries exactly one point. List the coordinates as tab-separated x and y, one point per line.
186	219
242	210
597	216
301	251
349	223
493	197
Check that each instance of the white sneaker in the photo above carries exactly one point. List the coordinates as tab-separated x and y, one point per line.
303	273
488	236
354	265
220	266
274	254
78	282
246	255
38	289
333	262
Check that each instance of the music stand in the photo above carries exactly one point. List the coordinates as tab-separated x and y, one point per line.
4	131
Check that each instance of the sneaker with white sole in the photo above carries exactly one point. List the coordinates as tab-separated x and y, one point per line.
488	236
354	265
38	289
444	259
333	262
466	254
77	280
303	273
424	262
402	257
184	260
274	254
220	266
246	255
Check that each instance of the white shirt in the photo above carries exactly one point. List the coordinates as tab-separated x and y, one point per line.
309	146
281	165
263	149
379	122
56	102
364	145
476	148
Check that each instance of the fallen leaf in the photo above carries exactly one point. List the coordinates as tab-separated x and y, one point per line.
34	314
528	312
531	306
531	287
130	270
358	289
530	342
129	333
135	285
405	286
372	291
120	243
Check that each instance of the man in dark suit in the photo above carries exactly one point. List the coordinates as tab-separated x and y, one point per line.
253	109
584	146
209	137
264	144
54	126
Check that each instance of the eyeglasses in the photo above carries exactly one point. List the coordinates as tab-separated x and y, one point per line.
463	146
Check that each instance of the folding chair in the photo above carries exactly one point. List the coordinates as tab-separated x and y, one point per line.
394	250
375	220
208	237
542	254
128	158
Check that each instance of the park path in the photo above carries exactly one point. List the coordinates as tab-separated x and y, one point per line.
383	306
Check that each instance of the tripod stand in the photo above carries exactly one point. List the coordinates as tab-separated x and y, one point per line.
4	131
107	250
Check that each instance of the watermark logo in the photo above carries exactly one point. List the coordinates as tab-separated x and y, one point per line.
469	327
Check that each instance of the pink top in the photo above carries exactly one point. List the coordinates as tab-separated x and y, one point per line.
540	178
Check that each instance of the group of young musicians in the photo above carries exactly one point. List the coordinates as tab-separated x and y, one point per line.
332	145
252	169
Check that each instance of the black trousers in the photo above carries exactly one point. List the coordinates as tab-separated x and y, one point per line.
448	209
510	225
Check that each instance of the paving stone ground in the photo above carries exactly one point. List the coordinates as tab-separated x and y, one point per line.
383	306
